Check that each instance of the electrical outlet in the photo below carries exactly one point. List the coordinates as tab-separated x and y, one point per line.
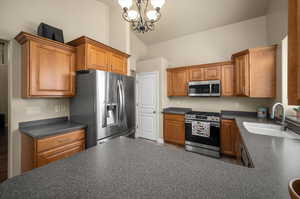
63	108
57	108
33	110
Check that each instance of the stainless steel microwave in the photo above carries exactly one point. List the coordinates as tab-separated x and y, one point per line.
204	88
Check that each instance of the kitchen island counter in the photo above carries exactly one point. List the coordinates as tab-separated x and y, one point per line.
136	168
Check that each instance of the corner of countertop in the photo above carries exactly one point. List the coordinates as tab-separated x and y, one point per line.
176	110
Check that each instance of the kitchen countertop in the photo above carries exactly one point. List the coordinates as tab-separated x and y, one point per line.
136	168
43	128
176	110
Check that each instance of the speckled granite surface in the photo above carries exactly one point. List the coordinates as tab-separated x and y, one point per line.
176	110
43	128
128	168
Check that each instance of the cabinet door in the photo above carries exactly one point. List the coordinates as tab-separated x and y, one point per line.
242	75
52	71
97	58
59	153
169	84
118	64
238	145
174	132
212	73
196	74
228	138
178	82
227	80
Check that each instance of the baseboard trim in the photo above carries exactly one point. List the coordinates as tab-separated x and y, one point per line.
160	140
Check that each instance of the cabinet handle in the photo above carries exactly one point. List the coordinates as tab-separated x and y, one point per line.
63	140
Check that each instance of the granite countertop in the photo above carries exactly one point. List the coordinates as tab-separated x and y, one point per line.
43	128
137	168
176	110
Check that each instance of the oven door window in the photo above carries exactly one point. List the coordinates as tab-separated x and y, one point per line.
199	89
213	139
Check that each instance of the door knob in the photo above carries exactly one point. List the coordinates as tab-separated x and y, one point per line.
154	112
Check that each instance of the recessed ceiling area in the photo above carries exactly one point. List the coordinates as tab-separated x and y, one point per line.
183	17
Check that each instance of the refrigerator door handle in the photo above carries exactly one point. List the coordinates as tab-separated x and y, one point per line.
124	104
104	116
104	112
120	101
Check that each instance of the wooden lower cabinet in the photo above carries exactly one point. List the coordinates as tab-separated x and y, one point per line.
228	137
39	152
52	155
174	129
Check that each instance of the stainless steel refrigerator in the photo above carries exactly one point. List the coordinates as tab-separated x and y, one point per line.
105	102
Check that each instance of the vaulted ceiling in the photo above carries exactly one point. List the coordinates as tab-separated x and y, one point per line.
182	17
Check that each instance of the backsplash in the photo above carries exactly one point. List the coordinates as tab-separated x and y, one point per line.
217	104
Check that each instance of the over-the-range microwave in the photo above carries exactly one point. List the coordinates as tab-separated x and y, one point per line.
204	88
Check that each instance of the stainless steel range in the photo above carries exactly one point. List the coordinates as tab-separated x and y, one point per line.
202	133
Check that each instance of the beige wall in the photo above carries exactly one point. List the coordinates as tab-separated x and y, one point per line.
138	50
118	30
76	18
211	46
277	30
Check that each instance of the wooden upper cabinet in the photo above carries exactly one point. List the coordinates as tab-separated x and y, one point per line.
242	75
92	54
196	73
227	80
48	67
177	82
97	58
293	52
255	72
205	72
118	64
212	73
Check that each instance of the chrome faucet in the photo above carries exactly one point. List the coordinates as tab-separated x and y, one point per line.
274	109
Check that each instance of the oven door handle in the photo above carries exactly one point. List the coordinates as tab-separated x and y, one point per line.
212	124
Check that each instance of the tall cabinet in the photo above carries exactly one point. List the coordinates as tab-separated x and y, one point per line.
255	72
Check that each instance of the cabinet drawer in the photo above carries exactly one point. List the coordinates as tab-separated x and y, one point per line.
58	153
59	140
175	117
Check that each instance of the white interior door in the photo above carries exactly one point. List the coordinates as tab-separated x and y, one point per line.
147	105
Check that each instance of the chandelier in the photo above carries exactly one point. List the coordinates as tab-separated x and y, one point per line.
142	16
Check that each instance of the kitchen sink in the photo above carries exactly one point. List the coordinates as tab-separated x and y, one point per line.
269	130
